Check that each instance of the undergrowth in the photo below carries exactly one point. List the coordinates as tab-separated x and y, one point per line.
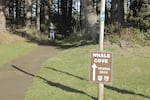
113	35
131	35
9	38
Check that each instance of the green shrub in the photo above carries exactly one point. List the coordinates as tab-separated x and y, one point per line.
147	34
132	35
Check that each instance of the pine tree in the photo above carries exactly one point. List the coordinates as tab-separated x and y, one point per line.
140	13
89	18
117	12
3	11
144	14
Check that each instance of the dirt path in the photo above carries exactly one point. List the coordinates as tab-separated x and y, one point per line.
14	76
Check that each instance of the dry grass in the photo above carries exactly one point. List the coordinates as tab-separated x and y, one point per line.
9	38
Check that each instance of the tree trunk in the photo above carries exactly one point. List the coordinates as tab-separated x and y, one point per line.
125	10
117	12
64	16
2	21
42	15
58	7
3	6
38	16
28	12
47	19
70	14
144	14
22	12
89	18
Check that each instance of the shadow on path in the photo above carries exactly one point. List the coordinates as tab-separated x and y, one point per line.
70	89
58	85
121	91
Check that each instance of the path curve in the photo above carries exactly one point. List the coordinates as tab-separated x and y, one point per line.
14	80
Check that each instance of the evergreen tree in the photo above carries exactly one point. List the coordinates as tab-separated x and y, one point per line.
117	12
3	13
89	18
140	13
144	14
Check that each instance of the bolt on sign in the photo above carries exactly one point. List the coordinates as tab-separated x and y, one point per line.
101	67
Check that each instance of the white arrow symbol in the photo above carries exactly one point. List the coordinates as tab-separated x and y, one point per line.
94	71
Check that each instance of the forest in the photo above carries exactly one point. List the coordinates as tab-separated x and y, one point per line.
34	66
124	19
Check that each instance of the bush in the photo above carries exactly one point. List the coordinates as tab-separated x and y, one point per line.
112	33
147	34
132	35
9	38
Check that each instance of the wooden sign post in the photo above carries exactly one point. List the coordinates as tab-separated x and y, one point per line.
101	70
101	62
101	67
101	41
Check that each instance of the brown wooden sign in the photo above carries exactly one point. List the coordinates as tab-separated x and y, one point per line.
101	67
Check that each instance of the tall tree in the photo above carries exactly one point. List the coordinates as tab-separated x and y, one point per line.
64	15
38	15
20	12
117	12
144	14
126	10
3	13
70	14
28	6
89	18
42	15
140	13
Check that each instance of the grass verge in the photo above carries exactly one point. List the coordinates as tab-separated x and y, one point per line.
12	46
65	76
